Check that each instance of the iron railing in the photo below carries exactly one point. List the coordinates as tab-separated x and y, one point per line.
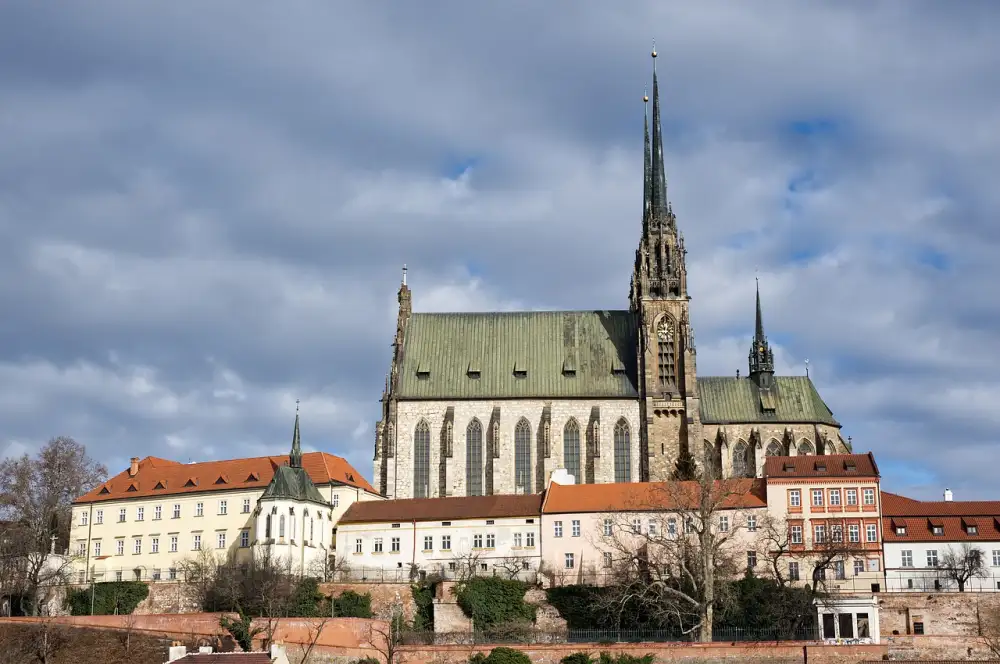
527	635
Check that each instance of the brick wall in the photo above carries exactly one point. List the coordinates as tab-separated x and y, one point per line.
384	596
943	614
168	597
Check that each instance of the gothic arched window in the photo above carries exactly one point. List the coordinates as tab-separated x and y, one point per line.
571	449
522	457
623	452
281	526
773	448
474	459
422	460
267	527
666	334
806	448
741	465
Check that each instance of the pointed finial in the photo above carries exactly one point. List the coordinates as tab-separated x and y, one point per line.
645	95
807	367
654	48
404	274
296	406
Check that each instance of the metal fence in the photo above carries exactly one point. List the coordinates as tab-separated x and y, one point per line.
609	636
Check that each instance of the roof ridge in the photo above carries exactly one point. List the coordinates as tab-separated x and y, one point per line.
519	312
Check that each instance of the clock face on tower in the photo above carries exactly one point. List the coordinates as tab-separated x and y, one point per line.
664	330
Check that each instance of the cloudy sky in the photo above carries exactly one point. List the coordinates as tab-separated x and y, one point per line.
204	207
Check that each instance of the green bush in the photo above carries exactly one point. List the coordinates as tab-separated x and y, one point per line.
306	601
241	629
350	604
423	597
495	602
577	658
505	656
107	598
625	658
367	660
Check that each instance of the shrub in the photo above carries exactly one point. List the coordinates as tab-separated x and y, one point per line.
107	598
625	658
306	601
241	629
366	660
577	658
350	604
505	656
423	597
493	602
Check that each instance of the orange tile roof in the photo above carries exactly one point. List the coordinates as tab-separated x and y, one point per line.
650	496
443	509
162	477
896	505
955	516
823	465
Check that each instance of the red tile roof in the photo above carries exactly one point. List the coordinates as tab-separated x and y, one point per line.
443	509
225	658
823	465
918	518
162	477
650	496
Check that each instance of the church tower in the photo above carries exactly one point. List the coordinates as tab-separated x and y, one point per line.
669	409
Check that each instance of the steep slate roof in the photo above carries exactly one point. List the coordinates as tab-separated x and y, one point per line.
443	509
731	400
254	472
294	484
822	465
543	343
650	496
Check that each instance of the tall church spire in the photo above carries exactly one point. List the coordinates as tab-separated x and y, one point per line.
295	457
761	357
658	179
647	185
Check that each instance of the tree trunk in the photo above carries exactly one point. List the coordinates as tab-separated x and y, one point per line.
961	585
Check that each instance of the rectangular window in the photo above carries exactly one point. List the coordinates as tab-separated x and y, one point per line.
795	498
796	535
357	545
140	513
81	548
154	545
853	533
637	526
819	533
996	558
607	527
869	496
871	532
859	567
394	544
529	539
834	497
723	524
99	517
932	558
244	538
837	532
446	542
156	575
172	574
906	558
157	512
336	500
688	526
873	564
196	543
852	496
177	511
223	507
97	548
137	545
838	570
793	571
377	545
121	515
120	547
517	540
491	541
118	575
220	541
651	527
173	544
752	523
489	522
751	559
246	505
575	525
477	541
607	559
817	497
671	527
83	517
570	563
557	529
428	542
199	509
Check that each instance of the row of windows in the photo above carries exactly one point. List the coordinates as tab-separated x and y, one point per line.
172	543
931	556
140	512
475	453
309	526
832	497
479	541
823	534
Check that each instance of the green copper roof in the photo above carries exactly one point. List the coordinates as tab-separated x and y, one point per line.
731	400
544	354
292	484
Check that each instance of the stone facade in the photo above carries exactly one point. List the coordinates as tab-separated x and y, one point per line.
788	439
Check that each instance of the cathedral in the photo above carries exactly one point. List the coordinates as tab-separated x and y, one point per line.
493	403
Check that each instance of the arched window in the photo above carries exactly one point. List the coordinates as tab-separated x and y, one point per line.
522	457
623	452
291	529
666	334
571	450
773	448
281	526
474	459
422	460
312	532
805	448
741	465
267	527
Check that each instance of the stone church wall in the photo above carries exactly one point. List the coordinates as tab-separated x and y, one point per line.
801	434
410	413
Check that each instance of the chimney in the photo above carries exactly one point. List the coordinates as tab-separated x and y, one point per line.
278	655
948	497
177	650
133	467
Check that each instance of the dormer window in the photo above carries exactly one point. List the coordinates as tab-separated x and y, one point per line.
473	371
820	466
971	530
617	366
520	369
788	467
937	530
569	367
900	530
423	371
850	466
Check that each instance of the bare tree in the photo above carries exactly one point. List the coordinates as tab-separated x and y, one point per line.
48	640
386	636
201	570
512	567
989	631
674	549
963	565
329	568
313	632
467	565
